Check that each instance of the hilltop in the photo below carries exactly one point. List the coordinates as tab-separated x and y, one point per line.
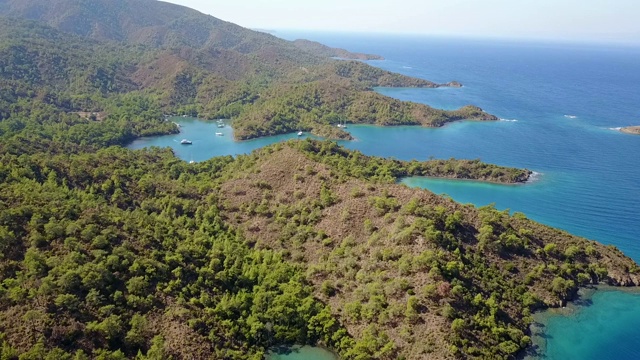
85	53
408	273
119	254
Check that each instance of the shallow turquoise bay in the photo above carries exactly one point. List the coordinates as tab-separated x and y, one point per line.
604	328
302	353
560	106
205	143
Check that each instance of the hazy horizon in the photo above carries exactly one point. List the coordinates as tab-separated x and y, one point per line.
559	20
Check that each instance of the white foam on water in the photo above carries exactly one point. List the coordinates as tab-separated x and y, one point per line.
535	176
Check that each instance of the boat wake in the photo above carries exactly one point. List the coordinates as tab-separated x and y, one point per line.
509	120
407	67
616	128
571	116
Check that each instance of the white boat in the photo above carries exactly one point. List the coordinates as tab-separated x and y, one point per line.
220	125
219	134
186	142
300	133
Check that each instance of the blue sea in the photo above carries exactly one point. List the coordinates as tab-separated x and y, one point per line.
560	105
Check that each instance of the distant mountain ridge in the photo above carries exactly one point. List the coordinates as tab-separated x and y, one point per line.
153	23
318	48
199	65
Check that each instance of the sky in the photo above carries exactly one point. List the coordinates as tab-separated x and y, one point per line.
581	20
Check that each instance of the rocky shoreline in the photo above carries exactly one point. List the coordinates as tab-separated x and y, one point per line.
635	130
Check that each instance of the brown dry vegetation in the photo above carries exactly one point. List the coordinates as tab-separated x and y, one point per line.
370	258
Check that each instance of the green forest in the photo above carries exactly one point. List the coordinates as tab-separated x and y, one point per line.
70	74
108	253
136	254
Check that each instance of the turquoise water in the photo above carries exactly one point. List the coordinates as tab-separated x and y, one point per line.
303	353
583	188
205	143
560	105
573	335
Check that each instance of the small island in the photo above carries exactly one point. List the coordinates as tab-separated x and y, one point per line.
635	130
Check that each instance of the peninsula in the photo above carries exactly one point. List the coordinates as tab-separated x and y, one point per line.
216	69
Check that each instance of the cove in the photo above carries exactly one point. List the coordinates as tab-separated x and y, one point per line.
205	143
593	328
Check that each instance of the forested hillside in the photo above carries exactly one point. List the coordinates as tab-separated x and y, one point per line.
107	253
79	55
119	254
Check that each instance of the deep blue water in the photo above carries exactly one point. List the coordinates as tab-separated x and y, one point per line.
560	103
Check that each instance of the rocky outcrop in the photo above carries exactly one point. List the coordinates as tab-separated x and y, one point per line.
524	177
631	130
454	84
618	278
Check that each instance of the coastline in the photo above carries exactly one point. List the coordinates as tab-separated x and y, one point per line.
299	352
350	138
539	331
452	178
